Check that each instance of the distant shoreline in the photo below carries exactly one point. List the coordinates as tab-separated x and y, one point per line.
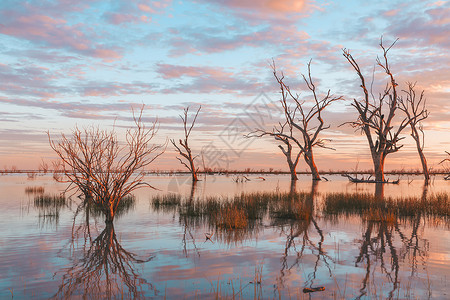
261	172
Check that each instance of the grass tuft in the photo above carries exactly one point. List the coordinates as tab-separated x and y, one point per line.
34	190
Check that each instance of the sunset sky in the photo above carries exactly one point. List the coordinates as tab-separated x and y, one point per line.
65	63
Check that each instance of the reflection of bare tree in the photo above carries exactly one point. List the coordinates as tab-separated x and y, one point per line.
301	228
185	221
413	246
378	244
106	270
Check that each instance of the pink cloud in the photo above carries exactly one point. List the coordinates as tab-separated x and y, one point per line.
264	11
285	6
212	41
119	18
132	12
426	30
107	55
208	80
108	89
267	6
35	26
146	8
169	71
391	13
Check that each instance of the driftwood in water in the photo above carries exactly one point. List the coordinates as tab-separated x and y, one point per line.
368	180
312	290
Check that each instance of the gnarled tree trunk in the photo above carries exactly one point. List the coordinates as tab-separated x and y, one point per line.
309	159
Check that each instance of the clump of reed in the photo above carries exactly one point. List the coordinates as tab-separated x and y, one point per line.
231	217
238	212
434	205
292	206
166	203
49	207
46	201
34	190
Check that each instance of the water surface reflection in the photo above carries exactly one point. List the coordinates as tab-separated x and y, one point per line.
102	268
271	238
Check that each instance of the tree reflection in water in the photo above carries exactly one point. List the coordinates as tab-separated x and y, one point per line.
391	230
104	270
301	227
187	232
385	242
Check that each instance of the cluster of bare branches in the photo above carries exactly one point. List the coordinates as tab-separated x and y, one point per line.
376	114
448	170
415	110
94	162
301	126
183	148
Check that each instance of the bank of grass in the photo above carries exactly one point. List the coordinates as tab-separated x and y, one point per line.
246	210
238	212
388	208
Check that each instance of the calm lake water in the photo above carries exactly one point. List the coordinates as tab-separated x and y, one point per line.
56	251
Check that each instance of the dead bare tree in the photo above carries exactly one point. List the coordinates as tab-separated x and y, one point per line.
93	161
43	167
283	133
374	119
307	122
447	169
414	108
187	153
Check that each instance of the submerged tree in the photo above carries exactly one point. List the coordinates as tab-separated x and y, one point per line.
307	123
93	161
187	153
376	120
414	108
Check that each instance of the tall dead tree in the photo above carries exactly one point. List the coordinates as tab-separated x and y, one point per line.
283	132
93	161
376	120
307	123
414	108
185	150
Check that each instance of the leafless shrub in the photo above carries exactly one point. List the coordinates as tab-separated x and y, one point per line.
93	161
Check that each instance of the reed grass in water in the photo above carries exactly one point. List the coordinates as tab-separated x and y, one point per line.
43	201
34	190
434	205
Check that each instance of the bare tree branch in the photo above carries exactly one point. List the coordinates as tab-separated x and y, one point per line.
185	150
